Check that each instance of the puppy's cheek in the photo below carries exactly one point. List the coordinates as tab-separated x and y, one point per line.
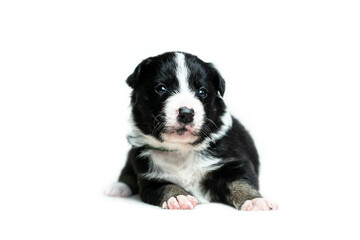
199	118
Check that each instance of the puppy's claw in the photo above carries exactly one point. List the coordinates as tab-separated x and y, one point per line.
180	202
165	206
173	203
193	200
259	204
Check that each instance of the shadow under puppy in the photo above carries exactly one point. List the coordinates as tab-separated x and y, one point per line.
186	147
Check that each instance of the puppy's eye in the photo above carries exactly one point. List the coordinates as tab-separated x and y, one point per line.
202	93
160	89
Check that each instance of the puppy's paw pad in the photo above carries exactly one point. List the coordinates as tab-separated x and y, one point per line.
259	204
180	202
118	189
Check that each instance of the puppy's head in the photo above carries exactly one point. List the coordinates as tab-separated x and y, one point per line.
176	98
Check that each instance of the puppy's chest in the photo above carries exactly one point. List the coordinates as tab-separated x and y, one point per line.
184	169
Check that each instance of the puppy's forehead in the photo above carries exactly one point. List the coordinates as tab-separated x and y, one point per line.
190	71
164	68
172	70
180	69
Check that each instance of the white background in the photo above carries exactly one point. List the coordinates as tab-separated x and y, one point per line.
292	70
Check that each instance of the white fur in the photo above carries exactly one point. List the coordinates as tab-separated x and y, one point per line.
138	139
227	121
182	72
185	169
118	189
183	98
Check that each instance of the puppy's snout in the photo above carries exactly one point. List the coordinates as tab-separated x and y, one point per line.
185	115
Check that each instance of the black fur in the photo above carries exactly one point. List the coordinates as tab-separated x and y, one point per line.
236	149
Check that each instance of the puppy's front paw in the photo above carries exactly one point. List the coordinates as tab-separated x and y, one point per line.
118	189
180	202
259	204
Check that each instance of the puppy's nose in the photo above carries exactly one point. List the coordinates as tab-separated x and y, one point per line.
186	115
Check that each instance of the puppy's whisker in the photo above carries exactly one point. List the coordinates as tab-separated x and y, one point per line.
158	127
160	116
212	122
158	123
205	131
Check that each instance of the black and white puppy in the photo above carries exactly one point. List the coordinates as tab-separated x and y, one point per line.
186	146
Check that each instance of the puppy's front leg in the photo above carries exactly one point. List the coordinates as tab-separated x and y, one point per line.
166	195
243	196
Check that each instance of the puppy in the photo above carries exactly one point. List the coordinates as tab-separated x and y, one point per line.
186	147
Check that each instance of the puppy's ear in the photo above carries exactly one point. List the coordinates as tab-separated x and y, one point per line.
133	79
219	81
221	84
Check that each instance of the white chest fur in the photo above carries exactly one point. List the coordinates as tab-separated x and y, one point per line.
186	169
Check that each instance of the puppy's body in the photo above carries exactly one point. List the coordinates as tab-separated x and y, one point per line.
186	146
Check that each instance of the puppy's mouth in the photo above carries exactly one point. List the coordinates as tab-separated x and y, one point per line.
181	134
181	131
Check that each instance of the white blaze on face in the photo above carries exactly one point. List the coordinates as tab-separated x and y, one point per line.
183	98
